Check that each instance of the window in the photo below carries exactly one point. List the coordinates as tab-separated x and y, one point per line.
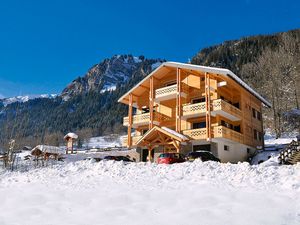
237	105
256	114
226	148
257	135
226	124
198	100
199	125
253	113
237	128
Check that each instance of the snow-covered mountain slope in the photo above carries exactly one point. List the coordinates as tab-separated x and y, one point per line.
25	98
110	73
115	193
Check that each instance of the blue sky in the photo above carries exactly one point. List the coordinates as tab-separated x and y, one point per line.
44	45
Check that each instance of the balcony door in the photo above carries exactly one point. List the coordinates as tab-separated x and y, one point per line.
199	125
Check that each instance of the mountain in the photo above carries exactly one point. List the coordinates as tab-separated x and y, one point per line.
25	98
110	73
86	106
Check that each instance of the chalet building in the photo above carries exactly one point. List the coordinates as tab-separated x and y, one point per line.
183	107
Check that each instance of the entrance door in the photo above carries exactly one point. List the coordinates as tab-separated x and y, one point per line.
144	155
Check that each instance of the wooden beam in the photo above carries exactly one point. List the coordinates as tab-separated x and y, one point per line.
178	100
129	139
151	102
207	104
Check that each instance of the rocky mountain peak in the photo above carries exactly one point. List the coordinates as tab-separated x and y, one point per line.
110	73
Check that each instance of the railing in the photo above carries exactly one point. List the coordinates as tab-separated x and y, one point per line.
170	90
196	108
224	132
166	90
136	119
220	104
145	118
195	133
134	140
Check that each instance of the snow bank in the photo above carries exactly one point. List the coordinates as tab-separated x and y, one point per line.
140	193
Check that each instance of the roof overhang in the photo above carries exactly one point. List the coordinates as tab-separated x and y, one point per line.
161	136
214	70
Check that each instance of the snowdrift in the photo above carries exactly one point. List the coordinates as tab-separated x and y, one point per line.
111	192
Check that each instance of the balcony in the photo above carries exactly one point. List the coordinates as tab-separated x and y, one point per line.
144	119
169	92
217	132
134	140
218	106
193	110
195	134
226	110
224	132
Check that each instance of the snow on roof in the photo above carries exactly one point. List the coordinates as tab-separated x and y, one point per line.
47	149
175	133
221	71
71	135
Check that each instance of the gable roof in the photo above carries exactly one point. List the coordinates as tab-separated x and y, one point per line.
215	70
152	134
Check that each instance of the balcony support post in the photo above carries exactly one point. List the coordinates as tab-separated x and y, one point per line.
207	102
151	103
178	101
129	121
150	149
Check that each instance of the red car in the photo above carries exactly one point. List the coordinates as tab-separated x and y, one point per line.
170	158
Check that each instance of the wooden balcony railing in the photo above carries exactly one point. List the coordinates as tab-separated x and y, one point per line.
170	91
222	105
145	118
224	132
134	140
137	119
195	133
166	90
194	109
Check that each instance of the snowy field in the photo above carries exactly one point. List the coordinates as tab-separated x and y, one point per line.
87	192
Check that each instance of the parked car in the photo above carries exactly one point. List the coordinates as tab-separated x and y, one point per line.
202	155
170	158
123	158
110	157
118	158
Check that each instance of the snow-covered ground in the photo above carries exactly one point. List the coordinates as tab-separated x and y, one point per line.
103	142
85	192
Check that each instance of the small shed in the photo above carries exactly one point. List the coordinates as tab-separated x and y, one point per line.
70	139
46	151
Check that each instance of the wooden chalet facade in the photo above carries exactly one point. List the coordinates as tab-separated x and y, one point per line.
183	107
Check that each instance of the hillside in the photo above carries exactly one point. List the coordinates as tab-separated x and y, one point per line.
269	63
